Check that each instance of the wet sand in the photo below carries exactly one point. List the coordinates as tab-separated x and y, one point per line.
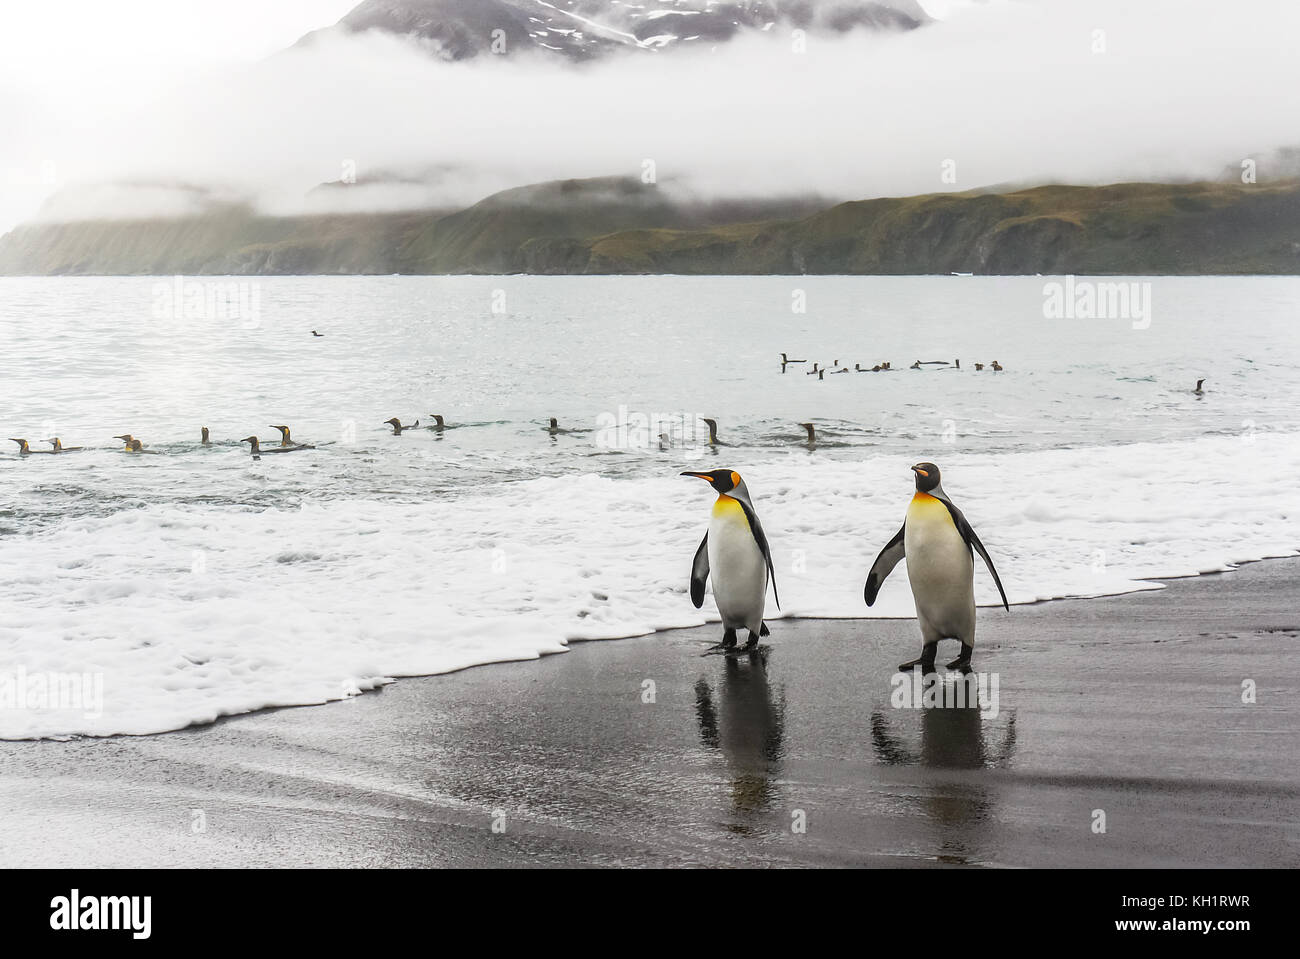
1131	705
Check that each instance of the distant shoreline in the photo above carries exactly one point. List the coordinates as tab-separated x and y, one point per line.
617	226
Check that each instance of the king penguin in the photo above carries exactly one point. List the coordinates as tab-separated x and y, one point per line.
735	552
938	543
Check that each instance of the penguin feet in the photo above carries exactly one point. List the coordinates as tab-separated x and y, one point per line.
925	661
752	643
728	643
962	662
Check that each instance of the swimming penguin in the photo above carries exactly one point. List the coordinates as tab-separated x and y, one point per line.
1198	391
979	366
937	541
713	432
314	333
812	434
786	362
438	423
916	365
997	367
257	451
132	445
735	552
397	426
25	450
59	447
287	443
204	433
956	364
814	369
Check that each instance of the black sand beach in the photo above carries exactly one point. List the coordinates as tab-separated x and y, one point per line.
1131	705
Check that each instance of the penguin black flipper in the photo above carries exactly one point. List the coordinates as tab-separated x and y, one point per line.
889	557
968	534
756	528
700	572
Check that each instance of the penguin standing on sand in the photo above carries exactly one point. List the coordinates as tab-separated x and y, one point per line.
937	541
735	552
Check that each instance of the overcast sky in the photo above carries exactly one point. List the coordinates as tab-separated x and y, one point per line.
94	91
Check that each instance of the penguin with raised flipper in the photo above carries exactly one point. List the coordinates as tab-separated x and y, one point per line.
939	546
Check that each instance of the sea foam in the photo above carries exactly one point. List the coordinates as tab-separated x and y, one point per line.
191	612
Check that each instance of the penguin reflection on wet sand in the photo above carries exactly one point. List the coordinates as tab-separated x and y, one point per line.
951	740
744	718
735	553
938	544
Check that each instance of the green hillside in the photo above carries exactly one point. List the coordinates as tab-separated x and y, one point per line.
612	225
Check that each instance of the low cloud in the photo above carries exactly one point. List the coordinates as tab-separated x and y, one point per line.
994	93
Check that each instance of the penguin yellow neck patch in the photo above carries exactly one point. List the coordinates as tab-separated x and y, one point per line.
728	507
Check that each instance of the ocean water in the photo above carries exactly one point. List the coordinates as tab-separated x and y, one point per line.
196	582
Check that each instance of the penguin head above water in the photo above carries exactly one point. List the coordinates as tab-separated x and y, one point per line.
726	482
927	477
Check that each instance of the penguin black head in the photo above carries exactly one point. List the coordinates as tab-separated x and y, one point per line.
927	477
724	481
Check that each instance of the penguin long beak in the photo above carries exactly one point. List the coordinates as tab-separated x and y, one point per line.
703	476
919	471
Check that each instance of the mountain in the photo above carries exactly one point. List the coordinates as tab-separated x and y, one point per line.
587	29
617	225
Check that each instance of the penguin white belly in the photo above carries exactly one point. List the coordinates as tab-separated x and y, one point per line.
941	571
736	566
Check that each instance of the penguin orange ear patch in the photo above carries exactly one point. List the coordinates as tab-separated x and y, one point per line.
735	479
